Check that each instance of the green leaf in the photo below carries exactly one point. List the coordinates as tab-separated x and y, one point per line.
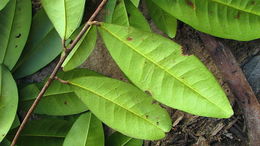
136	18
120	16
231	19
8	101
65	15
5	142
59	98
135	2
82	50
44	132
123	107
3	3
109	10
163	20
127	14
157	65
16	122
86	131
15	25
43	46
118	139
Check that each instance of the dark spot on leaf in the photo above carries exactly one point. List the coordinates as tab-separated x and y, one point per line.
3	135
148	92
157	123
238	15
128	14
18	36
65	102
190	3
16	46
146	116
129	38
253	3
154	102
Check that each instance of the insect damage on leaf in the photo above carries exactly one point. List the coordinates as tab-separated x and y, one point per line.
18	36
129	38
148	92
191	4
238	15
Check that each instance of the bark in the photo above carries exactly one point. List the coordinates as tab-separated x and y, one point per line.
233	75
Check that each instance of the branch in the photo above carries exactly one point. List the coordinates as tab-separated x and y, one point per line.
233	75
56	69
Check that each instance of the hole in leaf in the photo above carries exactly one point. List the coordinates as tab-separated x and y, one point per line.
18	36
191	4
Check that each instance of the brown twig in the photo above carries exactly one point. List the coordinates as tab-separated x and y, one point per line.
233	75
56	69
60	80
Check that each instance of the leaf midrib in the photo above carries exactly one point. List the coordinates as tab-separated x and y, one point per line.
234	7
65	19
127	141
87	133
132	112
9	36
165	70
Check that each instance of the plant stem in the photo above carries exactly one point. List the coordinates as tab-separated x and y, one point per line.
233	75
56	69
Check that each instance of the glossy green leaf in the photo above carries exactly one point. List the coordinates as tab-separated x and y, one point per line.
8	101
163	20
5	142
65	15
231	19
3	3
86	131
135	2
123	107
43	46
16	122
120	16
127	14
14	27
59	98
109	10
118	139
157	65
82	50
136	18
44	132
